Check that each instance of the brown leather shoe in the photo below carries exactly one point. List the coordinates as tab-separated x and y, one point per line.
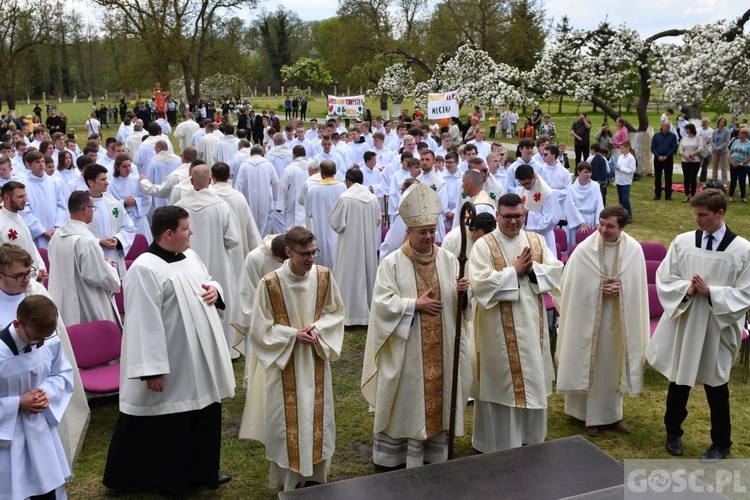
621	427
592	431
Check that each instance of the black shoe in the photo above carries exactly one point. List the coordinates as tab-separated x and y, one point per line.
674	445
669	198
222	479
657	197
714	453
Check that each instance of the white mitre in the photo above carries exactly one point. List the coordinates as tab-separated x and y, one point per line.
420	206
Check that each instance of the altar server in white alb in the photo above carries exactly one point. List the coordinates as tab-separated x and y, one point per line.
704	286
319	202
583	203
16	283
408	367
82	281
111	223
258	182
125	187
297	329
13	228
604	324
509	270
216	234
356	219
175	369
36	383
290	184
541	206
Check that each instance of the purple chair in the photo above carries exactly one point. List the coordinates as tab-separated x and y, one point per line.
120	302
383	231
565	257
651	267
96	346
653	250
140	245
655	309
582	236
561	238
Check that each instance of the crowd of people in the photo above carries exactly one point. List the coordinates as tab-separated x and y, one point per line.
267	241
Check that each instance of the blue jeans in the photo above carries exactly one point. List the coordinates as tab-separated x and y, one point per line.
623	196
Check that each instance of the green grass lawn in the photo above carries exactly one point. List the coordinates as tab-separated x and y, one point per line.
246	462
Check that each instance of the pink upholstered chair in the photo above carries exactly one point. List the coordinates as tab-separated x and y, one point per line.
567	255
653	250
655	309
45	257
140	245
561	238
651	267
582	236
96	346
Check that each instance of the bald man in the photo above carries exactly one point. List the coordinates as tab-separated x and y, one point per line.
215	232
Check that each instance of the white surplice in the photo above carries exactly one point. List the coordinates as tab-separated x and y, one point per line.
81	283
184	132
582	204
46	204
171	331
111	220
320	200
32	459
697	341
515	365
162	165
215	233
356	219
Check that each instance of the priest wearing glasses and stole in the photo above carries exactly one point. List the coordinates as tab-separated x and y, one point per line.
408	367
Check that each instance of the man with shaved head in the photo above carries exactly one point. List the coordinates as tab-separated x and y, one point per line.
215	228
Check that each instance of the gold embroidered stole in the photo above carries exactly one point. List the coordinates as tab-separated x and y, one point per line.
506	314
287	375
426	276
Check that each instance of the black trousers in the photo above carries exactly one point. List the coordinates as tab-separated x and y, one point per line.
666	166
582	152
705	162
50	495
690	171
718	402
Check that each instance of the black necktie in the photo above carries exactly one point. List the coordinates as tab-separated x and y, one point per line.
27	348
710	242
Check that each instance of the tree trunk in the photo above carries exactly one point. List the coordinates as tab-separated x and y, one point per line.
384	106
396	109
559	105
692	111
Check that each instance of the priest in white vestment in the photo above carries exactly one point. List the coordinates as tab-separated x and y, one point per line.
432	178
704	287
36	383
408	368
604	324
258	182
319	202
81	281
509	270
248	230
209	145
216	234
147	150
297	328
583	203
280	157
169	185
17	283
290	184
111	223
482	201
472	190
540	203
356	219
175	369
13	229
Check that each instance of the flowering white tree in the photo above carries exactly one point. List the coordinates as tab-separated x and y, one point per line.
397	83
711	63
225	86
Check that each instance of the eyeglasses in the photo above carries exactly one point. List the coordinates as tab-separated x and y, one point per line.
31	341
20	278
92	207
306	255
509	218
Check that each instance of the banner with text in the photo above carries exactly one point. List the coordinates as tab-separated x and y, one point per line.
351	107
442	105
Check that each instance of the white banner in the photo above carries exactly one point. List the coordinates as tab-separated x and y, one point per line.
442	105
352	107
